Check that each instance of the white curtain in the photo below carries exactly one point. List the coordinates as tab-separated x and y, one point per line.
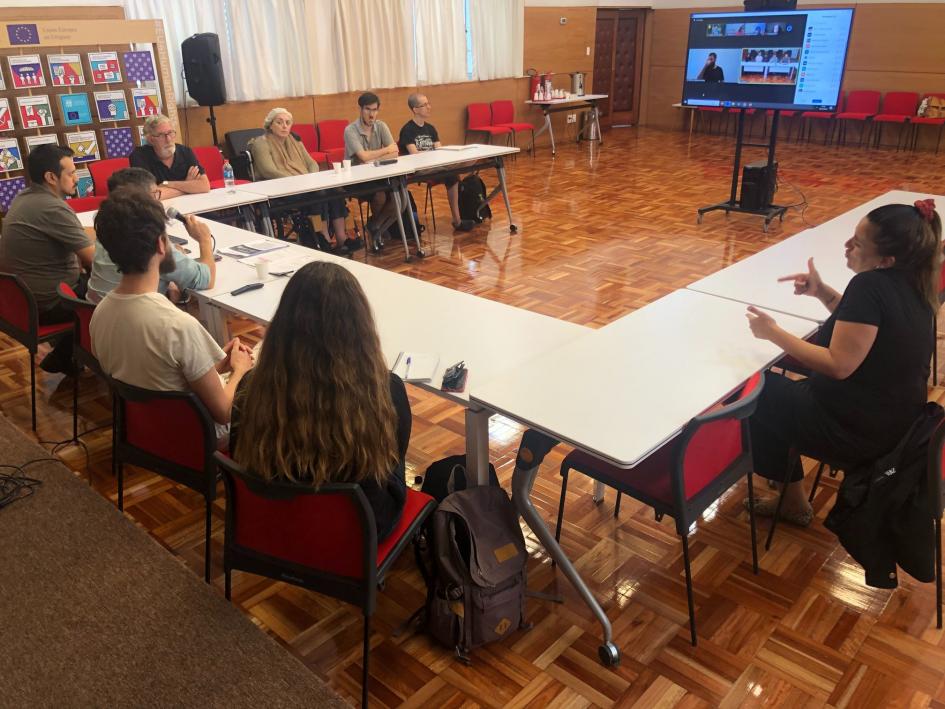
498	38
440	40
374	44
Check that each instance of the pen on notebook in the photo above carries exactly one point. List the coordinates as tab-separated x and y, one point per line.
407	371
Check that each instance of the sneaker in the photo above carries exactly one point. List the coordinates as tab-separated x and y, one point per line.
352	245
57	364
465	225
766	508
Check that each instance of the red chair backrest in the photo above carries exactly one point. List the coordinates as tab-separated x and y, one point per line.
901	103
17	305
936	470
331	134
307	134
320	530
84	204
502	112
716	444
863	102
101	170
169	428
478	115
211	160
83	311
941	281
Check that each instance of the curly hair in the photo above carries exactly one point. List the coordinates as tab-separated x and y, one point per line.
130	223
318	407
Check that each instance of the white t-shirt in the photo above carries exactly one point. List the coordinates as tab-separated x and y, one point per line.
145	341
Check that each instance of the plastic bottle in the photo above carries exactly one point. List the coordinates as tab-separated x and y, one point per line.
229	180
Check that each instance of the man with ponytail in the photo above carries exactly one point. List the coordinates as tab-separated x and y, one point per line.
870	367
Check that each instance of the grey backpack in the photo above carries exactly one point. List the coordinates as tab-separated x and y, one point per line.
477	590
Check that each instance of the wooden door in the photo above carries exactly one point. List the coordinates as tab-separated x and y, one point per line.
618	64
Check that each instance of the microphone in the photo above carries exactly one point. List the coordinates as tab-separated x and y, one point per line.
172	213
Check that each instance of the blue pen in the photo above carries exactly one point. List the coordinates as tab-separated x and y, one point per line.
407	371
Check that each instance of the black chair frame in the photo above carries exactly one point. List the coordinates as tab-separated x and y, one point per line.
936	493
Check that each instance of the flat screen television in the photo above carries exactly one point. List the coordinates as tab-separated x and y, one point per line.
790	60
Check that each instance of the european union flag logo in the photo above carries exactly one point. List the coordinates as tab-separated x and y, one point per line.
23	34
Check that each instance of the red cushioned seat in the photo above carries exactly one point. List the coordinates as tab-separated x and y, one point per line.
479	120
45	331
211	160
84	204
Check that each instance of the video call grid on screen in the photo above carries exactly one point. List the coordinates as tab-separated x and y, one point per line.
786	60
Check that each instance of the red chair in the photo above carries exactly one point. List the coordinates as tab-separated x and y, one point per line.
861	106
309	136
84	204
331	138
936	492
898	107
784	114
685	477
479	120
917	121
503	116
170	433
321	539
81	346
211	160
101	170
706	112
19	318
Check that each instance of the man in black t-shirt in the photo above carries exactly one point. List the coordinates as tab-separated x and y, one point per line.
174	166
418	136
711	72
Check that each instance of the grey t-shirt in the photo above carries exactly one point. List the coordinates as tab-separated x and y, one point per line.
41	235
356	139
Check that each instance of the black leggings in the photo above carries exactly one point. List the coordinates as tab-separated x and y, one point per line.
789	416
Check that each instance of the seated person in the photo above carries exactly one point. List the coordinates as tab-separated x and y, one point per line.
138	336
344	418
871	366
44	244
277	153
419	135
711	72
367	139
188	273
174	166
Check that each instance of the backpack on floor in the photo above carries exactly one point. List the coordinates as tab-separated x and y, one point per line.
472	193
477	591
448	475
393	233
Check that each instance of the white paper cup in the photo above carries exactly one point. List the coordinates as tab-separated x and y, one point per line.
336	166
347	165
262	269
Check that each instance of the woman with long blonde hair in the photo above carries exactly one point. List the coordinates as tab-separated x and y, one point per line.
320	405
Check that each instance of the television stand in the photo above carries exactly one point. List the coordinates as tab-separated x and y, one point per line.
769	211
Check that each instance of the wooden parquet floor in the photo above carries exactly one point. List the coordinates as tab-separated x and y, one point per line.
603	231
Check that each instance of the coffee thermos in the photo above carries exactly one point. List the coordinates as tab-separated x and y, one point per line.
577	83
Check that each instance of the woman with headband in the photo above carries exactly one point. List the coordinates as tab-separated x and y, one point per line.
870	367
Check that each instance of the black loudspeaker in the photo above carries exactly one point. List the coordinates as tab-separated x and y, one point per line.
758	185
203	69
768	5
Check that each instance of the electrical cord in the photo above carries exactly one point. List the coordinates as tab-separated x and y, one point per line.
16	486
803	204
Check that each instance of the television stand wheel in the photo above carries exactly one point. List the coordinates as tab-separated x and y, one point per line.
421	253
513	228
609	654
699	218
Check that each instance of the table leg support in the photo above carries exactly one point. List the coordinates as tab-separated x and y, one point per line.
477	444
532	450
395	193
214	320
405	194
500	170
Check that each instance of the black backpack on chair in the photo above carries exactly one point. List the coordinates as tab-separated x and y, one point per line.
472	194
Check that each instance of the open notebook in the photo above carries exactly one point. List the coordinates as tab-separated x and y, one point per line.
416	366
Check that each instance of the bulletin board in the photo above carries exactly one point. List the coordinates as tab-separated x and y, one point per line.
84	84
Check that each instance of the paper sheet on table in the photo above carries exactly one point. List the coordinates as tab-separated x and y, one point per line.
279	263
458	147
252	248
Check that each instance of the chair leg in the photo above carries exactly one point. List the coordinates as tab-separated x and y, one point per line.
813	488
793	459
564	489
751	523
938	571
33	388
75	406
206	545
227	584
692	608
366	654
121	485
617	505
935	351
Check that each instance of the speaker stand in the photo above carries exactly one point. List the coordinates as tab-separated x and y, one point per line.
770	211
213	127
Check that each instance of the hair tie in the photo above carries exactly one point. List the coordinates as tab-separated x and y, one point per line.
926	208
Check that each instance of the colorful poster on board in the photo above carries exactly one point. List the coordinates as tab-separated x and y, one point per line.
141	139
75	109
66	70
33	140
118	142
35	111
105	67
26	70
6	115
139	66
10	156
84	144
111	105
10	189
84	187
146	102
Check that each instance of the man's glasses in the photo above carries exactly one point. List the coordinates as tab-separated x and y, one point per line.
169	135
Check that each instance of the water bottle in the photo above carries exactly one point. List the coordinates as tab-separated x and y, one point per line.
229	181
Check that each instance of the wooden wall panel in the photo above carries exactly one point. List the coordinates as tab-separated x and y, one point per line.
72	12
893	46
551	46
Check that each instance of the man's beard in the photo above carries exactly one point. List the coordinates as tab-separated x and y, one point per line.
167	263
167	152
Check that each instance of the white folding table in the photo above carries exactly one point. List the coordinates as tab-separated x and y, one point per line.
587	101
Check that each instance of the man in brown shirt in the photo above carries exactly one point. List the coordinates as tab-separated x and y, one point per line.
44	244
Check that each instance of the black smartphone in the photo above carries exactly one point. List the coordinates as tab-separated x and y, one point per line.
177	239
